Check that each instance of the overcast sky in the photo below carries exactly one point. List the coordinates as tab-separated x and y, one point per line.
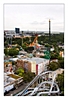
34	17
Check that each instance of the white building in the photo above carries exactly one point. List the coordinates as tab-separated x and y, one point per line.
34	64
10	81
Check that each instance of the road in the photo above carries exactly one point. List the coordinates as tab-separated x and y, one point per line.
14	91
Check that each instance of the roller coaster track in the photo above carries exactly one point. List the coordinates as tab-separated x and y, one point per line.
38	90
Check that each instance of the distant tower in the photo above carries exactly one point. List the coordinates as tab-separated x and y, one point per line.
49	27
49	33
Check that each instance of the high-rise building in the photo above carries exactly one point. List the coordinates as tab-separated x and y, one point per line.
17	30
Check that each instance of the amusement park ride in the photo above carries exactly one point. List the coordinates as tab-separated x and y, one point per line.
41	85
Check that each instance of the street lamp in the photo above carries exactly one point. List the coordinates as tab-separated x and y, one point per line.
22	38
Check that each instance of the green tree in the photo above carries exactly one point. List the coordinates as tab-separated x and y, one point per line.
20	74
60	80
29	49
61	62
24	46
26	39
54	55
6	44
17	41
53	66
28	76
13	52
6	51
19	70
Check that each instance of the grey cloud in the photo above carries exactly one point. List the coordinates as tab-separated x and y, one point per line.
43	22
35	23
40	23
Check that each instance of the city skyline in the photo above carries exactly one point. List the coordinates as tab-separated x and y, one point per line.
34	17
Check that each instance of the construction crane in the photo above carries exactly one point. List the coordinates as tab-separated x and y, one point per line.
34	42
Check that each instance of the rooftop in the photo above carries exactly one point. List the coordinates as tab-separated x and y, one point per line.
38	60
13	76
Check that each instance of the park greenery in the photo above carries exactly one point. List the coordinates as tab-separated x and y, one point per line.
55	39
11	52
27	76
55	65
